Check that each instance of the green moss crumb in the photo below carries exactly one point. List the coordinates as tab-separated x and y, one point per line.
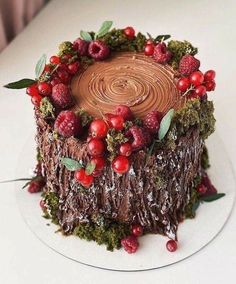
113	139
46	108
191	207
205	163
51	200
85	117
65	47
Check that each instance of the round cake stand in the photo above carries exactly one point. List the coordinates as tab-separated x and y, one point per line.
193	234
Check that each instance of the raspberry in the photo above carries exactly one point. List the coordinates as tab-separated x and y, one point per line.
152	121
67	124
61	96
81	46
124	111
188	64
141	137
130	244
98	50
161	54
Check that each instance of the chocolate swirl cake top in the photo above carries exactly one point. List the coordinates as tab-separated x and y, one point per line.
128	78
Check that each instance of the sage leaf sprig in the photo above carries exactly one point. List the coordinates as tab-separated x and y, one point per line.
71	165
21	84
86	36
161	38
104	29
165	124
212	197
40	66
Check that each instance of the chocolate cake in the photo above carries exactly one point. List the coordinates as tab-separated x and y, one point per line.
122	121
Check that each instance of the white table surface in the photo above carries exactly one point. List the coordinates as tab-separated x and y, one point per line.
208	24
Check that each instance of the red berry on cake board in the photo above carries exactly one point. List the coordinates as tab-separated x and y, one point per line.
152	121
87	181
98	128
125	149
73	67
149	49
61	96
171	245
199	91
100	164
137	230
161	54
68	124
130	244
120	164
32	90
36	99
116	122
79	175
98	50
210	85
42	205
209	75
81	46
96	147
124	111
45	89
129	32
183	84
55	60
196	78
188	64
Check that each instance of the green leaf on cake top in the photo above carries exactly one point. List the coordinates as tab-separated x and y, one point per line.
71	165
86	36
162	37
40	66
104	29
165	124
90	168
21	84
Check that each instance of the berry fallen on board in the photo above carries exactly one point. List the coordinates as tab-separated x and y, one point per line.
183	84
188	64
161	54
81	46
130	244
152	121
32	90
98	128
149	49
68	124
196	78
125	149
36	99
98	50
129	32
171	245
137	230
140	137
96	147
124	111
209	75
45	89
55	60
73	67
120	165
210	85
42	205
61	96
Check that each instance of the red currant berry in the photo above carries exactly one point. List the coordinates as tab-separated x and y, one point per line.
87	181
47	68
125	149
96	147
55	59
79	175
36	100
45	89
66	57
32	90
210	85
149	49
209	75
99	162
183	84
129	32
120	164
149	41
130	244
116	122
171	245
199	91
98	128
196	78
73	67
64	76
42	205
201	189
137	230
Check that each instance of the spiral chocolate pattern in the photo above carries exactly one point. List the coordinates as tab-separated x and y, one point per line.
127	78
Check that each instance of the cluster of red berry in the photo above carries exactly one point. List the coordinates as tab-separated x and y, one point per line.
158	51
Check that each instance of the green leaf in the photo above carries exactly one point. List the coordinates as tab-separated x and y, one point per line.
90	168
21	84
212	197
40	66
86	36
162	37
70	164
104	29
195	206
165	124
